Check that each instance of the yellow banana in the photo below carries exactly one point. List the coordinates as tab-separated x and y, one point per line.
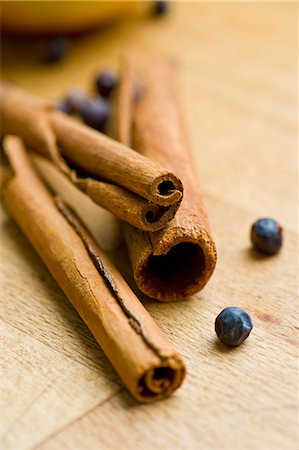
61	17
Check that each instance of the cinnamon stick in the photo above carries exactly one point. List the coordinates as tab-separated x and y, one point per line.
178	260
129	185
140	353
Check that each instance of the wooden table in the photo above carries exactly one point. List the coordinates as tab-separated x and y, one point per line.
238	66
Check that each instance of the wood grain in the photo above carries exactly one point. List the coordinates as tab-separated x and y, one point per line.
239	73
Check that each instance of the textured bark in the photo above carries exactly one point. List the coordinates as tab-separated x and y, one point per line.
140	353
178	260
127	184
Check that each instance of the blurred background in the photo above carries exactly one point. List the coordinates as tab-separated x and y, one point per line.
237	63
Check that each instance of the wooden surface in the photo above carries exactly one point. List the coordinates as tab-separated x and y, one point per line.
238	66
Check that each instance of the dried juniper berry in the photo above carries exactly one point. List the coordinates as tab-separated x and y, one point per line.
266	236
63	106
233	326
105	83
72	103
160	8
96	113
55	49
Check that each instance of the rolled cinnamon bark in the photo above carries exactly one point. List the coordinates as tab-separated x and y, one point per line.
129	185
140	353
178	260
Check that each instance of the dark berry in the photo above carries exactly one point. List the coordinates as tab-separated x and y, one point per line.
105	83
96	113
160	8
233	326
266	236
63	106
73	102
55	50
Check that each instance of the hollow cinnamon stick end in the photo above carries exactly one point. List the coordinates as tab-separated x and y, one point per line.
160	381
166	190
182	270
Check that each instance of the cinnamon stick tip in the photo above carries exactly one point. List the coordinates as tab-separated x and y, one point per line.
166	190
181	271
160	381
154	217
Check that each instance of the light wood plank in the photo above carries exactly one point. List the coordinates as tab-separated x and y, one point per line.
52	389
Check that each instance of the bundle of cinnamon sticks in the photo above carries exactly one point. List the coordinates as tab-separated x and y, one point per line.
129	185
145	176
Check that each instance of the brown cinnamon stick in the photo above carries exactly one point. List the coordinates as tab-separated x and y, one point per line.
129	185
178	260
137	348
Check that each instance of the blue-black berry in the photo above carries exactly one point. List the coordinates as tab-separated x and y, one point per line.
160	7
96	113
63	106
105	83
266	236
72	103
233	326
55	50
